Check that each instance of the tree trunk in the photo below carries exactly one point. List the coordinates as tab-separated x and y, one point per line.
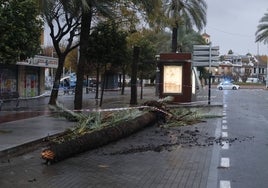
55	90
174	39
141	94
98	81
87	85
84	35
103	85
99	138
133	99
123	82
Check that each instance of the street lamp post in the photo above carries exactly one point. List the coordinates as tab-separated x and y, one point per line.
157	76
267	70
210	75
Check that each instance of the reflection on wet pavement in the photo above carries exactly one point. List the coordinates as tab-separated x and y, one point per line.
19	115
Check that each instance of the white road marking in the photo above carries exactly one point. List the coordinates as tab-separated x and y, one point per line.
225	162
225	184
224	134
224	121
225	145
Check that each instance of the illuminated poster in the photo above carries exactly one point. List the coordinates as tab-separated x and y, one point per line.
172	79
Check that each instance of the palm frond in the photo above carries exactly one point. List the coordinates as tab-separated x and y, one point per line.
262	30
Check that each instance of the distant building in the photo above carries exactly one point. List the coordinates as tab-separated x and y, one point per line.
242	67
206	37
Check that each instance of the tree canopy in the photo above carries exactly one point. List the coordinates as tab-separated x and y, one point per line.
107	43
185	13
262	30
70	19
20	29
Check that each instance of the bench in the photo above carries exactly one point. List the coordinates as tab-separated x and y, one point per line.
9	97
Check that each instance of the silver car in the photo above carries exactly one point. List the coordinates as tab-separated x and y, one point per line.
227	85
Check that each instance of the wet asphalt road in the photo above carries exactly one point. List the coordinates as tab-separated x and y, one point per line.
245	161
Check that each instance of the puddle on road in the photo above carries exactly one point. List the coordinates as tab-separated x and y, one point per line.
5	131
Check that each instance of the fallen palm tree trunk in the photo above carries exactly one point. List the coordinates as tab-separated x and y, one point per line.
81	139
60	151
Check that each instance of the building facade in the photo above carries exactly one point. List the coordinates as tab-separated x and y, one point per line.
26	78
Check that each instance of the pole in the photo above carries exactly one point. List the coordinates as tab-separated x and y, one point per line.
209	79
258	62
209	57
157	74
267	69
157	82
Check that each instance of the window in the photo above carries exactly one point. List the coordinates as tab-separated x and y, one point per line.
8	82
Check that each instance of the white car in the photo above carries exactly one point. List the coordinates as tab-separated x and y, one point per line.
227	85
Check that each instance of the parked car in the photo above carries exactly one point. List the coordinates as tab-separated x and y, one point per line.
227	85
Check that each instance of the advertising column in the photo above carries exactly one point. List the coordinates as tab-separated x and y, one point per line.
176	76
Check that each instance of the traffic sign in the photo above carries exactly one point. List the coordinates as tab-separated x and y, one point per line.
206	58
205	64
205	55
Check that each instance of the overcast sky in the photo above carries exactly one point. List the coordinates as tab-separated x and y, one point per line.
232	24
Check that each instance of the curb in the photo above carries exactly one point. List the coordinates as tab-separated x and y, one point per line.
27	147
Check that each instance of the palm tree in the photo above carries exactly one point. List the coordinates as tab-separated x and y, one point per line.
185	12
88	9
262	31
102	9
188	38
